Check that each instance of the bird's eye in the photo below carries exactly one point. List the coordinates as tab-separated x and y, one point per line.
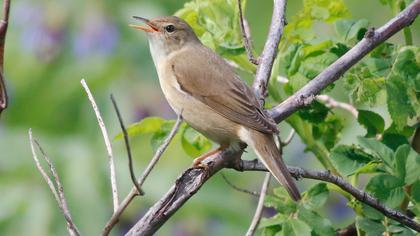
170	28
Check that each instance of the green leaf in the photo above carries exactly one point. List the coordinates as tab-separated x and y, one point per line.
278	219
393	141
370	227
146	126
400	159
381	150
412	167
348	159
316	196
373	122
403	86
371	212
194	143
315	113
295	227
319	224
387	188
350	29
415	192
328	131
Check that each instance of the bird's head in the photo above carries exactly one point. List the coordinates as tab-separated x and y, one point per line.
170	33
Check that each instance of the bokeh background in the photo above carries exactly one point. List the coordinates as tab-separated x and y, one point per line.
50	47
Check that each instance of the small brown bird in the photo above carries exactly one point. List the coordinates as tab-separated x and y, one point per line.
212	98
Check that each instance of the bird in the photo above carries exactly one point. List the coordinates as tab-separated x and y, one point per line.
204	89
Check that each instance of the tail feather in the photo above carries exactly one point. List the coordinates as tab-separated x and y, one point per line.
266	149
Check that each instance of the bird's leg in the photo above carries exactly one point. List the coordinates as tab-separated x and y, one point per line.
197	161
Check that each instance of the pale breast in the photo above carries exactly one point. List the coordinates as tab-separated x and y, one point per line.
197	114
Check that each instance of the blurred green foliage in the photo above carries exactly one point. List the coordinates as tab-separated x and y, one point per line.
52	45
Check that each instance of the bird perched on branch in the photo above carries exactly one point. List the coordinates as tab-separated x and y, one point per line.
212	98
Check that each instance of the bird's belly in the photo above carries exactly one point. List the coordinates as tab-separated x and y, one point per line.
198	115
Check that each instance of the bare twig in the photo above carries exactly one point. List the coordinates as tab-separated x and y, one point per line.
332	103
258	212
127	145
333	72
246	35
289	138
127	200
326	176
3	30
252	193
107	144
56	189
269	52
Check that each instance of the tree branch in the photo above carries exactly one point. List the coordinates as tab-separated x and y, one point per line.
56	189
127	200
269	52
246	35
326	176
258	212
127	145
3	30
107	144
373	38
332	103
232	185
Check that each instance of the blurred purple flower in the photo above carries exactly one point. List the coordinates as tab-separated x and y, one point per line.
97	36
43	38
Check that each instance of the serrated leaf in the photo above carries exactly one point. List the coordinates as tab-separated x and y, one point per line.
277	219
315	113
349	159
370	227
371	213
415	191
387	188
412	167
316	196
373	122
402	85
400	159
320	225
381	150
295	227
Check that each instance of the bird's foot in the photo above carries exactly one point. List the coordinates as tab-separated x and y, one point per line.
198	162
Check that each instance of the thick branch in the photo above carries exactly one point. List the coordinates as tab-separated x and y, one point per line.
269	52
326	176
333	72
3	30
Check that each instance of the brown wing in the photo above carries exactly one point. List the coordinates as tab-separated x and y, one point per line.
208	78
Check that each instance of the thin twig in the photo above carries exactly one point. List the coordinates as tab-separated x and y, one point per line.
252	193
258	212
3	30
127	200
373	38
246	35
269	52
327	176
332	103
107	144
289	138
57	189
127	145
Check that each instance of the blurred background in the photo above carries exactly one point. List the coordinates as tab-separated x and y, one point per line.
50	47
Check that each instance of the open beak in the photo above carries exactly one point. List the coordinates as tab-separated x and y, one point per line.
149	28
